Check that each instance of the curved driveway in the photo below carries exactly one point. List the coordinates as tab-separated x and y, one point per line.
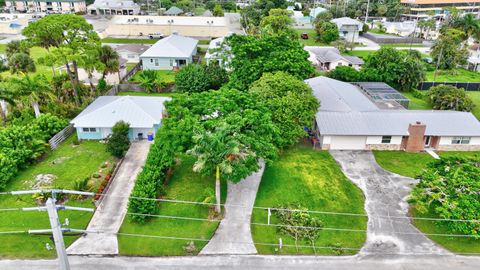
389	229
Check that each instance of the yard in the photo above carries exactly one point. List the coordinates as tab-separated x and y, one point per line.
311	41
402	45
411	165
168	76
455	75
66	164
358	53
129	40
35	53
184	185
314	180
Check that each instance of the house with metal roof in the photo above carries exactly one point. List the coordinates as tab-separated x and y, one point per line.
348	28
170	53
173	11
144	114
349	119
114	7
329	58
131	52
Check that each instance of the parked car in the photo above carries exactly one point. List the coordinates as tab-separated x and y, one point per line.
304	36
155	35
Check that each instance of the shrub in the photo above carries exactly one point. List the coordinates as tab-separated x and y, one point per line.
192	79
345	73
118	143
327	31
449	97
81	184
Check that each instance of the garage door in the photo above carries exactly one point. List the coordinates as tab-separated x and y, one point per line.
348	142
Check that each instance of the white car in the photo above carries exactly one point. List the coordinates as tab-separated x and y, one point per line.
155	35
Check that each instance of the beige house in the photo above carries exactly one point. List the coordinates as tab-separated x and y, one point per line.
51	6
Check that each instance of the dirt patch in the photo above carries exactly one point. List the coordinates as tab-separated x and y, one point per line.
42	181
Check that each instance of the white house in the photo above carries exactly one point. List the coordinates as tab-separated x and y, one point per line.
131	52
348	28
329	58
348	120
144	114
170	53
113	7
315	11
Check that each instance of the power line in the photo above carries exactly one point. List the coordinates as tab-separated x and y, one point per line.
13	232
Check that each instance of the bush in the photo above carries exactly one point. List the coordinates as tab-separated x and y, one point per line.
118	143
345	73
327	32
192	79
449	97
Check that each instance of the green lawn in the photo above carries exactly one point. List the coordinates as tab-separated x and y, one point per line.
130	66
311	41
168	76
35	53
68	163
361	54
455	75
402	45
314	180
475	96
184	185
129	40
131	93
417	103
204	42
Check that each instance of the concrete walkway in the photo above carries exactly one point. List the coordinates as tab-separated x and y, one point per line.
385	196
235	226
110	214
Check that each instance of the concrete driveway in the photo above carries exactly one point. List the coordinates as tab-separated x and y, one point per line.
235	226
385	201
111	212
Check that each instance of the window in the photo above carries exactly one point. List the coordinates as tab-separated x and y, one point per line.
89	129
131	56
386	139
151	60
461	140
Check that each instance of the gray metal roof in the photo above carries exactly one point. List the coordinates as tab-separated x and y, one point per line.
344	21
331	54
173	11
344	110
172	46
339	96
135	48
105	111
395	122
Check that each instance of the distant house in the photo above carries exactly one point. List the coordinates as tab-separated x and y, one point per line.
113	7
348	28
218	52
131	52
144	114
315	11
173	11
474	58
351	119
329	58
207	13
170	53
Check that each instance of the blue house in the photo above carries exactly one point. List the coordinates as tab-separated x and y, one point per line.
144	114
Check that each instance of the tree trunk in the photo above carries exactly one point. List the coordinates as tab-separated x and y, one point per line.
36	109
75	71
74	86
217	190
93	90
3	112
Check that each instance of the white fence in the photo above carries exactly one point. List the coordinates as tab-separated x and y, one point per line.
61	136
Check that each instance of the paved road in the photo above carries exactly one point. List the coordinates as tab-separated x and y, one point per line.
110	214
243	262
385	195
235	226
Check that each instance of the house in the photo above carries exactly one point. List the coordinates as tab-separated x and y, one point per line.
349	120
170	53
113	7
110	78
315	11
131	52
218	52
47	6
348	28
173	11
144	114
474	58
328	58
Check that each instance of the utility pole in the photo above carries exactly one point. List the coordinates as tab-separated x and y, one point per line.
366	13
56	228
57	235
437	65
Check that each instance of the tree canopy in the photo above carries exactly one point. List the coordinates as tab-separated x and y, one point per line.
327	31
253	56
449	97
291	103
278	22
448	50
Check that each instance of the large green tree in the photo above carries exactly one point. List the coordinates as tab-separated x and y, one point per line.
327	31
449	97
277	22
34	89
448	51
291	102
253	56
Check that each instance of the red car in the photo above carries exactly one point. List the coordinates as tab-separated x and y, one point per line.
304	36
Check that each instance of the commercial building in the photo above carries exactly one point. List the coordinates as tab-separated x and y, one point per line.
113	7
420	8
46	6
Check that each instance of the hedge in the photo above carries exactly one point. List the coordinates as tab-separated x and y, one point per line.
20	145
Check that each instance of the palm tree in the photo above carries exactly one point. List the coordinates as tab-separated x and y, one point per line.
149	80
109	59
469	24
34	89
218	152
6	97
89	62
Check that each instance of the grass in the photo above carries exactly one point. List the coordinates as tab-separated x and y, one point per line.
131	93
129	40
359	53
68	163
130	66
204	42
475	96
455	75
402	45
168	76
35	53
417	103
314	180
311	41
184	185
